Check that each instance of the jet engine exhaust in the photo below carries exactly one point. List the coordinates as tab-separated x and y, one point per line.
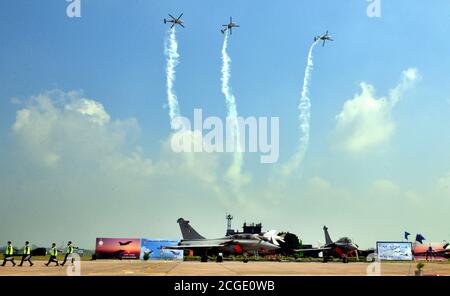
171	51
234	171
304	108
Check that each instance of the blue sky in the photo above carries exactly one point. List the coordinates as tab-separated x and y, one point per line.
114	55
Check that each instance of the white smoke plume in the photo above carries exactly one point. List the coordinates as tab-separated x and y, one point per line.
171	51
304	117
234	172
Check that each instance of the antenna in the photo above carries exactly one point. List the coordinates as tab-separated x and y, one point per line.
229	218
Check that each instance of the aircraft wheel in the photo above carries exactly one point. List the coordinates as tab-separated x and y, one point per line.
219	259
204	259
345	259
245	260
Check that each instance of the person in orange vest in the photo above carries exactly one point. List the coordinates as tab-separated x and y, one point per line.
53	254
9	254
26	256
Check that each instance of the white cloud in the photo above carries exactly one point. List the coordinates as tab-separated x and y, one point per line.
90	108
70	127
443	186
65	131
56	126
385	189
365	120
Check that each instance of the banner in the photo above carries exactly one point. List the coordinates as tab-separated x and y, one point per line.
117	248
152	249
430	251
394	251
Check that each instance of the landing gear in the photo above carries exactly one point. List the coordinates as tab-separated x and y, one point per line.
345	259
245	258
325	259
204	257
219	258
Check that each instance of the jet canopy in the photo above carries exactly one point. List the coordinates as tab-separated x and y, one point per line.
345	240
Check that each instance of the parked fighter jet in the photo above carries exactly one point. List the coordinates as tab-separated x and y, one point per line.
174	21
236	244
325	37
342	248
229	27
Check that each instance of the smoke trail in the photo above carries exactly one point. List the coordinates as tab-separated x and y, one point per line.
171	51
235	169
304	117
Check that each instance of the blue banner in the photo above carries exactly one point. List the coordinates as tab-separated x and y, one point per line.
152	249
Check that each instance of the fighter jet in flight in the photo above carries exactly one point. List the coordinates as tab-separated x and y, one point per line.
125	243
174	21
229	27
342	248
325	37
236	244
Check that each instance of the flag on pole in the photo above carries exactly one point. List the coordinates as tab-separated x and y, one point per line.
419	238
407	234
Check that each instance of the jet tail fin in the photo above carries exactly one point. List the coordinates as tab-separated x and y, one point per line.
187	231
327	236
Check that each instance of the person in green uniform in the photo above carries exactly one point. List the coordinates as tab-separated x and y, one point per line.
9	255
26	256
53	254
68	252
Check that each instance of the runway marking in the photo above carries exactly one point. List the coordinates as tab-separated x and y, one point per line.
175	265
224	266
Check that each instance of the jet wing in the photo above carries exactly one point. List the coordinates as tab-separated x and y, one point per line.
192	247
313	249
199	246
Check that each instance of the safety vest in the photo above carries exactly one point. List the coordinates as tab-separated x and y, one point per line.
9	250
26	250
54	252
69	250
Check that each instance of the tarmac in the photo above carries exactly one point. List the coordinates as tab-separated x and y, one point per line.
176	268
